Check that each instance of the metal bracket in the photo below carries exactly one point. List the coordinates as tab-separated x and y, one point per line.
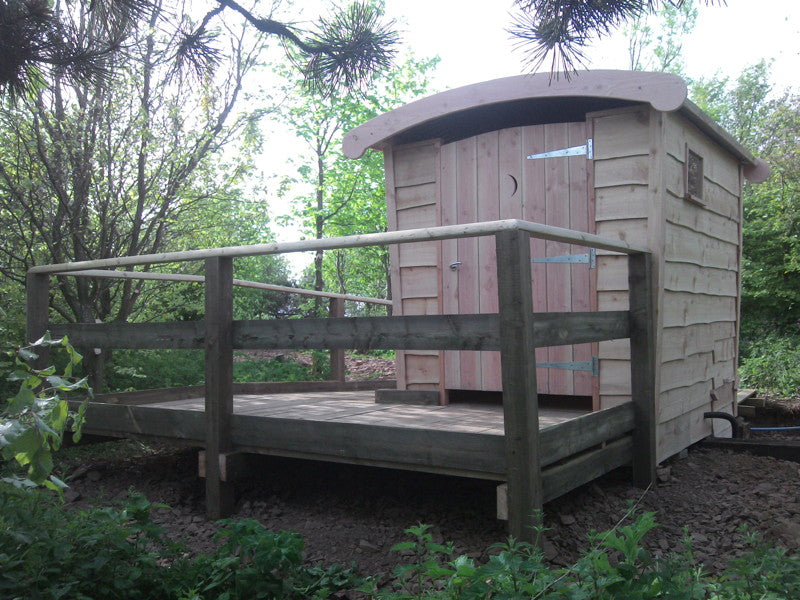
454	266
590	258
587	149
592	366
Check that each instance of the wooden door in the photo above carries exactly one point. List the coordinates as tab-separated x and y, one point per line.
488	177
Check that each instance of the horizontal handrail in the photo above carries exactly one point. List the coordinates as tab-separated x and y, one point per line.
419	332
538	230
110	274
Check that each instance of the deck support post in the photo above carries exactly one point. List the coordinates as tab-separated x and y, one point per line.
37	314
640	282
520	402
218	383
336	310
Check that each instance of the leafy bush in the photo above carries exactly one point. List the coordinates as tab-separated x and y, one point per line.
771	364
33	421
152	369
98	553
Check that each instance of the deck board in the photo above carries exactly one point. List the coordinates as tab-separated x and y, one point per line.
360	408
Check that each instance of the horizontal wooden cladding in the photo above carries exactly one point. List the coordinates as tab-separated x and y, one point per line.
705	222
420	254
718	165
560	479
621	202
680	341
624	133
414	196
683	308
579	434
716	198
418	332
688	277
687	246
415	165
629	170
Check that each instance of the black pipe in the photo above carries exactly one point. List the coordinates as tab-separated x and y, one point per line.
736	423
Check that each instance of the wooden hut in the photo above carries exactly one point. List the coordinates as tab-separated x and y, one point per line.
623	155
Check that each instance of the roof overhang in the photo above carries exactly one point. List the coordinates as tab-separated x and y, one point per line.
504	102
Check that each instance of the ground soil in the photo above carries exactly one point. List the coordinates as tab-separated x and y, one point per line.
352	513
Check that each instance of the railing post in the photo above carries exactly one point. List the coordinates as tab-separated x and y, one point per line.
337	354
520	402
640	284
218	383
37	314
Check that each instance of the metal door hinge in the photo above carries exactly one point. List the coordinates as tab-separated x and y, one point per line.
587	149
592	366
590	258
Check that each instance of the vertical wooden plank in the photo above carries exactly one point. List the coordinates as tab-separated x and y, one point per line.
336	310
643	389
219	382
580	274
449	212
488	210
394	259
468	282
37	314
533	209
559	290
520	402
591	209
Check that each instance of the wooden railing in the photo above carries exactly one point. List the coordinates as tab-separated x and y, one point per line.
515	331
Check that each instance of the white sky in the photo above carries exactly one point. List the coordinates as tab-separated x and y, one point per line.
470	38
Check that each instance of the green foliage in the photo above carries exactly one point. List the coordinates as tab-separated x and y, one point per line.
333	195
49	553
154	369
615	567
33	421
253	562
768	123
770	362
119	553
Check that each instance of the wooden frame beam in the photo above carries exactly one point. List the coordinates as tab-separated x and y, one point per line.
37	314
219	383
418	332
520	400
643	392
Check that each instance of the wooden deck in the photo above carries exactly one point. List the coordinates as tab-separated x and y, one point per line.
464	439
360	407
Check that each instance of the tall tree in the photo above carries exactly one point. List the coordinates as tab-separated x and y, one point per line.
90	171
39	39
768	122
655	43
347	197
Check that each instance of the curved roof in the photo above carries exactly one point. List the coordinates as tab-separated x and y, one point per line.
529	99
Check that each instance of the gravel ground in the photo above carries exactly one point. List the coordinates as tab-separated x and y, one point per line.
348	513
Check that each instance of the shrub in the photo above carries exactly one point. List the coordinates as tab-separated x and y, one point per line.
771	364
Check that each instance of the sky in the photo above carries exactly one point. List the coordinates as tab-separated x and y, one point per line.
471	40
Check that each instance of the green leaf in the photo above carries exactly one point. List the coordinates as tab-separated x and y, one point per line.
24	400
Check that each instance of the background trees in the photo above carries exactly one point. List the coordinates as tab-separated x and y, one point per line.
332	195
